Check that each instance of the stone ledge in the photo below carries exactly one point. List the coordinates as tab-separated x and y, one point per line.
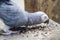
47	33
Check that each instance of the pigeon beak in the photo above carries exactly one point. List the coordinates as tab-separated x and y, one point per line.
47	21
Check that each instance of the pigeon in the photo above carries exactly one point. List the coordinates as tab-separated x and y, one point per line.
12	15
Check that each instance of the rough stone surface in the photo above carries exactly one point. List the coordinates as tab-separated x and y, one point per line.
43	32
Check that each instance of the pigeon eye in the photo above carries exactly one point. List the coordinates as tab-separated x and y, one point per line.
45	17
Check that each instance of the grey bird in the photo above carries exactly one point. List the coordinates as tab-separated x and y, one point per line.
13	16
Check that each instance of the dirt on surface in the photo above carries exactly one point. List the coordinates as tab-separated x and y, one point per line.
43	32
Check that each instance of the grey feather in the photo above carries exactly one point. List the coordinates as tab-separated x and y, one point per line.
14	16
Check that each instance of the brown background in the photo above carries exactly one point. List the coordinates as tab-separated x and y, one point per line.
51	7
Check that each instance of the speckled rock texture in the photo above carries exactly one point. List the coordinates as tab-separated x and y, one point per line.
38	32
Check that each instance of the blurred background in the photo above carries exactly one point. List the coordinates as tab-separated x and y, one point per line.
50	7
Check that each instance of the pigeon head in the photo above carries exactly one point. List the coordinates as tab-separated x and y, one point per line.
44	17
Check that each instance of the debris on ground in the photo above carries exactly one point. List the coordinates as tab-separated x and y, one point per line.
49	31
